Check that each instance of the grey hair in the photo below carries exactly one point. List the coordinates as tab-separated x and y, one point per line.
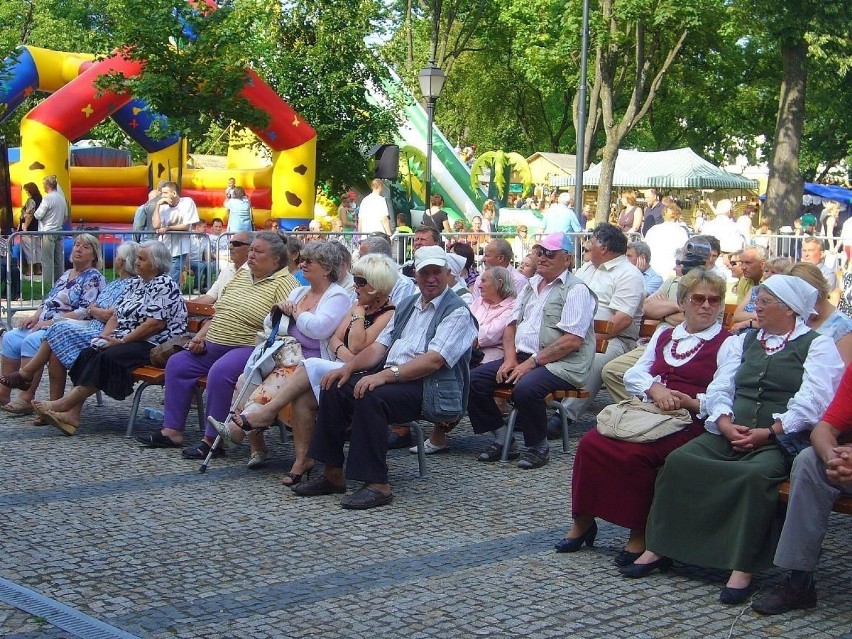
127	251
504	249
326	255
277	246
377	245
161	255
503	281
345	255
92	241
642	249
758	250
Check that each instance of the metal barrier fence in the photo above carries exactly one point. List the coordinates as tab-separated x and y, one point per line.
23	290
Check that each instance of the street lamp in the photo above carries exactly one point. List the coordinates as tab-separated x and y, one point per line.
431	80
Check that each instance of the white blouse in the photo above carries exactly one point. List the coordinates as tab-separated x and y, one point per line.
638	379
823	369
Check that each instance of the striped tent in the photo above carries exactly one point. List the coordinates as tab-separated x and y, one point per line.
676	169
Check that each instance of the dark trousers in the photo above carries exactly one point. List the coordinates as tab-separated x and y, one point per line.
369	418
13	278
527	396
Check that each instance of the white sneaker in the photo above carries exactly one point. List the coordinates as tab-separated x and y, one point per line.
430	449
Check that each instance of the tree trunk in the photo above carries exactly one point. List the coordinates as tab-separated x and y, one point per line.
784	189
610	154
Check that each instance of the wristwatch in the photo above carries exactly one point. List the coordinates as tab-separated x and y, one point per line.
395	371
535	359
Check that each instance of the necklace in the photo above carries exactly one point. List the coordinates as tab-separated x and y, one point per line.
686	355
774	349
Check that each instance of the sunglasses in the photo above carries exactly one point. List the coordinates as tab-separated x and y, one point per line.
543	252
237	243
359	281
734	263
698	299
305	260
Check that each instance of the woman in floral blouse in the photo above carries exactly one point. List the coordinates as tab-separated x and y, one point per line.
68	299
150	312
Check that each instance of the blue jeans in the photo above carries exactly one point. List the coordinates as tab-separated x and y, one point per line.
178	262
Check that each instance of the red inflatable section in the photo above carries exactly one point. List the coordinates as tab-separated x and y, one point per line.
62	112
109	195
286	129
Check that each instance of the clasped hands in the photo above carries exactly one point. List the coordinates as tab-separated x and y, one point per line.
838	469
669	400
511	372
742	438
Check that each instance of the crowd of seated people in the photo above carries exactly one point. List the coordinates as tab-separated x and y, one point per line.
384	344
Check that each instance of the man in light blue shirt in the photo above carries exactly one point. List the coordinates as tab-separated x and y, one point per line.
639	254
560	217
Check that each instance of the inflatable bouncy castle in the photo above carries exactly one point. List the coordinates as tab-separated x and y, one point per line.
284	191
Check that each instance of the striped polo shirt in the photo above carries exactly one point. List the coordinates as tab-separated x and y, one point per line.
244	304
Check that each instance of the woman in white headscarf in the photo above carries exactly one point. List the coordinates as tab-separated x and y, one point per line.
716	496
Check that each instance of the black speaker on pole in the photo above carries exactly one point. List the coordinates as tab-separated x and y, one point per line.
387	161
5	190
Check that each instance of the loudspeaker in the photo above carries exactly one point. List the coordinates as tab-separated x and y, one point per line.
5	190
387	162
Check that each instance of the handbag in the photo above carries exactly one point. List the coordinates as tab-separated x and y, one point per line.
633	420
161	353
286	349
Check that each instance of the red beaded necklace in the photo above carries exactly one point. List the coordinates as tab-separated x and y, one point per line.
770	350
692	351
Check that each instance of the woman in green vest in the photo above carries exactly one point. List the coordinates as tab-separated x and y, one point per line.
715	498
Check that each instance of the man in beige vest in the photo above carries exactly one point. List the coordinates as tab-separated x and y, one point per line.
549	345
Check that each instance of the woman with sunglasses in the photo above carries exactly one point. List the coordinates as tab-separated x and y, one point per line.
715	500
375	276
614	479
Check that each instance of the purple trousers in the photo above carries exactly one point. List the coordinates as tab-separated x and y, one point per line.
222	364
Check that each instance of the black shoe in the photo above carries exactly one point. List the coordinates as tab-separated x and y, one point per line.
365	498
573	545
200	451
734	596
395	440
317	486
783	598
643	570
494	452
625	558
532	458
554	427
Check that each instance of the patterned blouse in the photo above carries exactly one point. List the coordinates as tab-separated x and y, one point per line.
158	298
73	295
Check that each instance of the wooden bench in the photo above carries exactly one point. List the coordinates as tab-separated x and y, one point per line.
603	330
843	505
150	375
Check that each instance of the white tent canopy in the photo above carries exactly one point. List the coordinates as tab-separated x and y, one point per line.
676	169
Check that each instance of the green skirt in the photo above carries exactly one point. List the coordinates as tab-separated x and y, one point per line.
716	508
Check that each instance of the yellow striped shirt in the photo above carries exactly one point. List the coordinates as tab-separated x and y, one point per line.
245	303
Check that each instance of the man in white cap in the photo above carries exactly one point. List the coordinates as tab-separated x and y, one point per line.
549	345
422	358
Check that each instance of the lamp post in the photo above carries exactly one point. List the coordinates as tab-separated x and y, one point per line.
581	115
431	80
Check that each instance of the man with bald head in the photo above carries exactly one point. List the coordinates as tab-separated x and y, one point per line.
498	252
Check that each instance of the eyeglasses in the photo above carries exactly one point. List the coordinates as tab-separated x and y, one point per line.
586	249
763	302
305	260
698	299
359	281
237	243
543	252
734	263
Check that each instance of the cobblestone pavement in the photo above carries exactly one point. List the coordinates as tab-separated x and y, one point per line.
140	540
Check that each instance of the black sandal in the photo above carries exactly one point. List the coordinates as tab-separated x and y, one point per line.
201	450
156	439
246	425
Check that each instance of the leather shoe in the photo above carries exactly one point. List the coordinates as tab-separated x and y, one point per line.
625	558
783	598
365	498
317	486
573	545
554	427
734	596
495	451
643	570
532	458
395	440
